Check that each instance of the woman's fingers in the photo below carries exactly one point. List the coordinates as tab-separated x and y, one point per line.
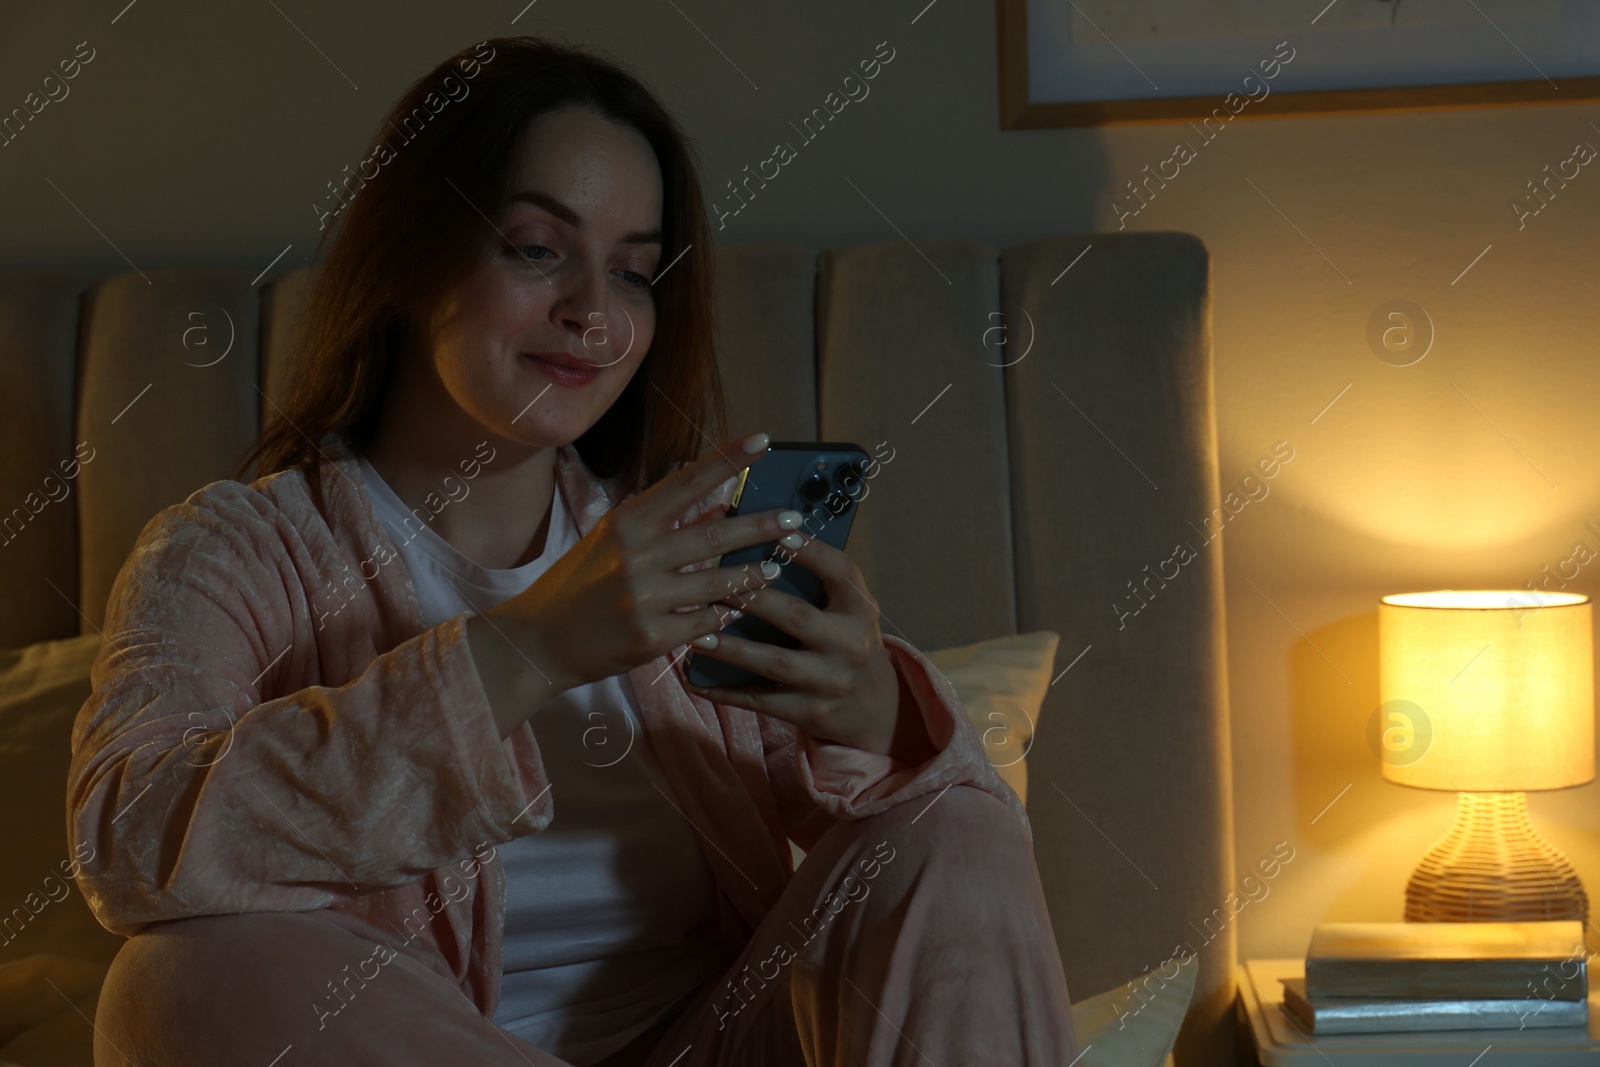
685	627
737	586
841	579
804	668
803	709
714	534
730	585
811	678
814	628
842	630
670	497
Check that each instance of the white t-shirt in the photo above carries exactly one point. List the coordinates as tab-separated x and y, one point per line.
611	909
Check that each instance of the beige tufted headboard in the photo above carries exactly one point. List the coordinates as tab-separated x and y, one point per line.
1050	406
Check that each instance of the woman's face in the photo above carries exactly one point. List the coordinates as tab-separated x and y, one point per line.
568	272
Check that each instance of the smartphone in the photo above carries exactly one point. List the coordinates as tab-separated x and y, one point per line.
824	482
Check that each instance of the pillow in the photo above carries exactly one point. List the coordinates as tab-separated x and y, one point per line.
42	989
42	688
1002	684
1136	1024
49	932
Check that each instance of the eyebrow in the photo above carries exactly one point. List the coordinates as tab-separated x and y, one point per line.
570	217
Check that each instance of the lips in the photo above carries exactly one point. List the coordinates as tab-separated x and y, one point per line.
562	369
563	359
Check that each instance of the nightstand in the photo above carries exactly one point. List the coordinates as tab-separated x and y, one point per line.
1280	1039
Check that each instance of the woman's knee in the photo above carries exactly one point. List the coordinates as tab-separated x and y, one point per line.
960	824
224	989
950	872
957	836
230	982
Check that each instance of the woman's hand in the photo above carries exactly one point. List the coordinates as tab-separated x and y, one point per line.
841	686
612	601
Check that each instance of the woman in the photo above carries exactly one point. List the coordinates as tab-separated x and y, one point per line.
389	756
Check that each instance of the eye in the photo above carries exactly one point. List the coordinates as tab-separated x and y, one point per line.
527	252
641	279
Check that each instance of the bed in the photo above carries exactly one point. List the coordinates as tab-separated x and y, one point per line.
1050	406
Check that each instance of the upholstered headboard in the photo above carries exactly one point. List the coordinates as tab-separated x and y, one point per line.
1051	410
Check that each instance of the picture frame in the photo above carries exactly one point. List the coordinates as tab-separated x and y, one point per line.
1066	63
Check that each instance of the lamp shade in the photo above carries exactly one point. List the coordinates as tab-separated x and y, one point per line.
1500	681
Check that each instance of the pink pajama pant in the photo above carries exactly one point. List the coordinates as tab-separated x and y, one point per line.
916	936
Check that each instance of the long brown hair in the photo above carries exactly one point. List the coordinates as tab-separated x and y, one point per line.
417	227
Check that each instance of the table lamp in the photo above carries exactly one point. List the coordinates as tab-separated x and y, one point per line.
1489	693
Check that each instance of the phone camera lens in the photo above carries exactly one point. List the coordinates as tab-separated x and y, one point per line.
848	476
813	489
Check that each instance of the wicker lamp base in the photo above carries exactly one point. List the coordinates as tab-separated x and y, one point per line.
1494	867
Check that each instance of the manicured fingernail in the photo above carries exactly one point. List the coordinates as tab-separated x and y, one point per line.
735	614
770	570
792	541
756	443
705	641
790	520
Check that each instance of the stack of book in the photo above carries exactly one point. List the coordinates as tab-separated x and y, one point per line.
1372	977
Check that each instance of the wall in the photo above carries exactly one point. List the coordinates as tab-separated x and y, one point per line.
206	135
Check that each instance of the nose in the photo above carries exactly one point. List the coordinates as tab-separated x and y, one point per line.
580	305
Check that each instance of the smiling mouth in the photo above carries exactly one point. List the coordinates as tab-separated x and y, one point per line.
561	373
